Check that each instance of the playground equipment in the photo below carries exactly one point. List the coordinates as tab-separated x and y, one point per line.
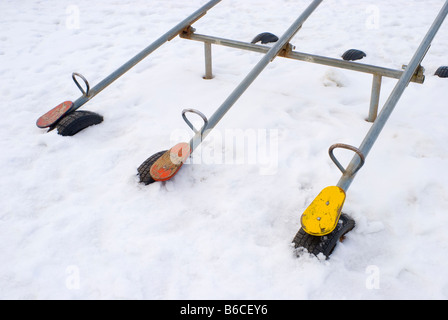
68	122
167	168
322	217
323	223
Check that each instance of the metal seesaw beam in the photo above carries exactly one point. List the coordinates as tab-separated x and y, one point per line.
371	137
53	116
171	34
270	55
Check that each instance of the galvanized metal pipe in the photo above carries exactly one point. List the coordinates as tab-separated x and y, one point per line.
347	178
256	71
208	60
143	54
300	56
375	98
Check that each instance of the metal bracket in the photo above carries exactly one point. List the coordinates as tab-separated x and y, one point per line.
204	118
419	75
187	32
86	92
348	147
287	50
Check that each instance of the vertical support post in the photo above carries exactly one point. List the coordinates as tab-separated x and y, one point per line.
375	97
208	61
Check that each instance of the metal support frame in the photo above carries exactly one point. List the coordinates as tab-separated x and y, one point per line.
306	57
377	72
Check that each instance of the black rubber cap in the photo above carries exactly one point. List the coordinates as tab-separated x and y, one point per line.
442	72
145	168
77	121
265	37
353	54
326	244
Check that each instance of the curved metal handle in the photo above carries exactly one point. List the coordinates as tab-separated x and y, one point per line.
204	118
348	147
86	92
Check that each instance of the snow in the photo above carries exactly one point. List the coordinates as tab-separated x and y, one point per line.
76	224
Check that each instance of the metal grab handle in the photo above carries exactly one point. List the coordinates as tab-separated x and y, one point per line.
204	118
86	92
348	147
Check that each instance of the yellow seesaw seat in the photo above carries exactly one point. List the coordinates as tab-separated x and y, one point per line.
322	216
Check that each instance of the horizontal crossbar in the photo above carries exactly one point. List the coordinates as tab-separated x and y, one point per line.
295	55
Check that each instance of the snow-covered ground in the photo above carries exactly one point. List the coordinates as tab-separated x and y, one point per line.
76	224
